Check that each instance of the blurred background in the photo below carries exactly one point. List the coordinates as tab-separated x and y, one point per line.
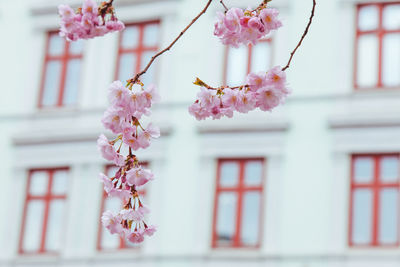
315	183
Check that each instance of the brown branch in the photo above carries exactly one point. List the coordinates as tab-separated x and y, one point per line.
302	37
223	4
137	76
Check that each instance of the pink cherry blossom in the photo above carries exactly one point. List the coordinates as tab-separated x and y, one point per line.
113	119
136	236
108	152
240	26
276	77
108	185
130	214
118	94
150	230
111	222
269	17
86	22
268	98
256	80
138	176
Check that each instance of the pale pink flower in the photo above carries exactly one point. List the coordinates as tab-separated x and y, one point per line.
246	101
108	185
113	119
268	98
89	7
150	230
145	137
138	176
114	25
230	98
66	12
276	77
118	94
130	214
232	19
198	111
120	193
136	237
151	95
256	80
269	16
108	152
111	222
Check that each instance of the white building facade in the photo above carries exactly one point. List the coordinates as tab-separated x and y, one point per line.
315	183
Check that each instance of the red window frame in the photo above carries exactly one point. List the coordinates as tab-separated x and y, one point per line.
249	58
47	198
375	186
380	32
137	51
64	58
122	242
240	189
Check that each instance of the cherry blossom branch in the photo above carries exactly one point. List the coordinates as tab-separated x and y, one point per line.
138	75
302	37
223	4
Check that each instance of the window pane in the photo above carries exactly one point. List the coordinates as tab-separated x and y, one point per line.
39	183
362	216
236	69
56	45
261	57
150	35
389	169
250	218
226	215
253	173
60	182
363	170
127	66
229	174
130	37
51	83
367	61
391	60
55	225
109	241
149	76
33	226
388	216
391	17
72	82
76	47
368	18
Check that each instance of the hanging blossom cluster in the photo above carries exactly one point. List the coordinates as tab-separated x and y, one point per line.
89	21
128	106
263	90
238	26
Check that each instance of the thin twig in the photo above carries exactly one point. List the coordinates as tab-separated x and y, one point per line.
302	37
137	76
223	4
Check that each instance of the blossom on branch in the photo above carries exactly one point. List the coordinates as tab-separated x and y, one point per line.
238	26
263	90
89	21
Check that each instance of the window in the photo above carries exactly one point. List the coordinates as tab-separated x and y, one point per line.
44	211
137	45
107	241
62	72
374	211
243	60
238	203
378	46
